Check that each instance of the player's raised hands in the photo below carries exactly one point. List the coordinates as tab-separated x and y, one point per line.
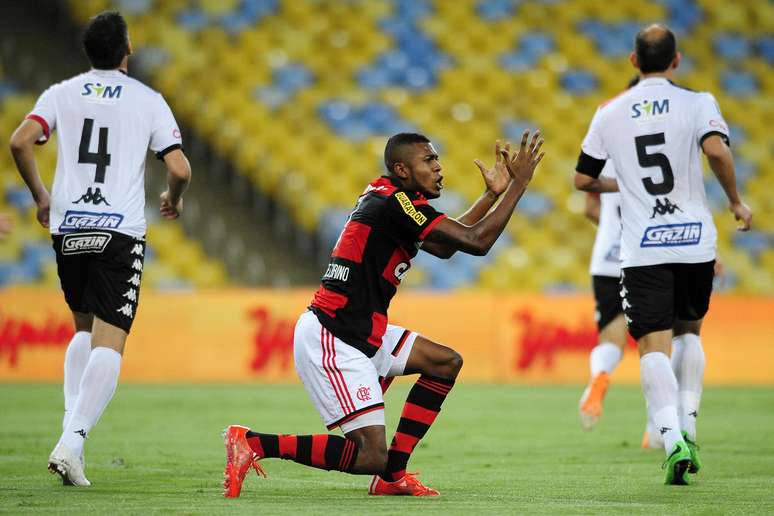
521	166
496	178
168	210
742	213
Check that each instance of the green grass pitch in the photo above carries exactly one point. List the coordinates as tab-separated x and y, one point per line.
493	450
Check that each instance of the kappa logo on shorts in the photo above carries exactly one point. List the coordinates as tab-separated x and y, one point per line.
74	220
671	235
126	310
131	295
81	243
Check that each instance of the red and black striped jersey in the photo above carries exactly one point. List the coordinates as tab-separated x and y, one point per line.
374	251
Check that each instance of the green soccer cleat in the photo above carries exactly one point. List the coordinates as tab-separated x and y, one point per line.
694	449
677	465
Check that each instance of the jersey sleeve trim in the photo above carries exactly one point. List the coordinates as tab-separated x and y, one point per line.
43	124
160	154
706	135
589	166
430	226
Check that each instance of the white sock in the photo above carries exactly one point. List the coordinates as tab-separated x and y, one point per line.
604	358
688	365
660	388
654	436
97	387
76	358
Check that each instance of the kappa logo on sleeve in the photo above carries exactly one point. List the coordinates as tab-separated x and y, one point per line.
409	208
80	243
672	235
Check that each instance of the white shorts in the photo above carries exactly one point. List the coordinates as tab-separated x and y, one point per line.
342	382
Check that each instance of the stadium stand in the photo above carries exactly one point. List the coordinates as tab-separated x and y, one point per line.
301	94
172	260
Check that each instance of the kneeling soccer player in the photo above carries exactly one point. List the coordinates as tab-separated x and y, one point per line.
346	353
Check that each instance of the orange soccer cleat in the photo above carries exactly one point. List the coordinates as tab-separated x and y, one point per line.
409	485
590	406
239	459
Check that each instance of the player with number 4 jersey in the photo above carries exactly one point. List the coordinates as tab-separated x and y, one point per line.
106	122
654	133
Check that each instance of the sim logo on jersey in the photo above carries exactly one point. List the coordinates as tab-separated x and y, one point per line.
85	243
100	91
671	235
648	110
75	220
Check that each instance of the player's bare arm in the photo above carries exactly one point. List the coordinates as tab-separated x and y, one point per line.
22	148
721	161
479	238
496	180
178	179
587	183
592	207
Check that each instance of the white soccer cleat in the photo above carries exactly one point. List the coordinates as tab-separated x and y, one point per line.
66	481
64	463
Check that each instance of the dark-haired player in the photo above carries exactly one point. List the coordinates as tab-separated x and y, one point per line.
605	268
106	122
654	134
344	344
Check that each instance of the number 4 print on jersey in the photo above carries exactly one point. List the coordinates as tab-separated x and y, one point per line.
101	158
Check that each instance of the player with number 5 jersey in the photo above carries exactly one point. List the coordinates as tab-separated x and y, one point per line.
106	122
655	133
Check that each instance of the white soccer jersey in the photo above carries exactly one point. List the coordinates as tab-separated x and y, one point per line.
652	133
606	253
106	122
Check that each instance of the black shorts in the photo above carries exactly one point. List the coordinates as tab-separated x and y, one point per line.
100	273
657	295
607	295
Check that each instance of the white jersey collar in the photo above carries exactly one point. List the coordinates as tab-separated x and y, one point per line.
651	81
108	73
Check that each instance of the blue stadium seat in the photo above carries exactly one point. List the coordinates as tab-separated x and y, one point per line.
530	47
579	81
732	46
766	48
739	83
534	204
495	10
611	39
754	242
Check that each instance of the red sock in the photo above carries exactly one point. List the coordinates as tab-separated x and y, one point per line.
323	451
421	408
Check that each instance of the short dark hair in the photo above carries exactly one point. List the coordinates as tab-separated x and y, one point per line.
392	151
106	40
656	47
